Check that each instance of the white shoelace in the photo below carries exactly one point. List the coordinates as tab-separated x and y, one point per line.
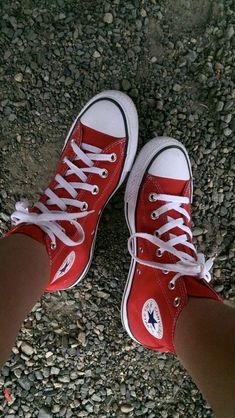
187	264
48	219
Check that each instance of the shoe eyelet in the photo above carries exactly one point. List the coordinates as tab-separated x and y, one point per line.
151	197
138	271
176	302
171	286
154	215
95	190
53	245
113	157
141	249
84	206
72	141
159	252
165	272
104	173
156	233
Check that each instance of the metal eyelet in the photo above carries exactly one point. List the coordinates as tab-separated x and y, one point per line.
113	157
171	286
165	271
72	141
176	302
84	206
154	215
151	198
53	245
104	173
159	252
138	271
141	249
156	233
95	190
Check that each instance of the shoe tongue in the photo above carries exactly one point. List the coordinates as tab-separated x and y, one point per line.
171	186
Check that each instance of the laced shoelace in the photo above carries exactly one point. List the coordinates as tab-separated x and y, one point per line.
48	219
187	265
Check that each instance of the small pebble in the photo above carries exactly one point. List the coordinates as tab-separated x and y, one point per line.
127	408
27	349
228	132
126	85
108	18
19	77
177	88
96	54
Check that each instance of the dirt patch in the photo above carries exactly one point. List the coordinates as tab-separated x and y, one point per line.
20	181
185	15
180	17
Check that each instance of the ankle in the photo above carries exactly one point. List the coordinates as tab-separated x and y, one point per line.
193	322
27	249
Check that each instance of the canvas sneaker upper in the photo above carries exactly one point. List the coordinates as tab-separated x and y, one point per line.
98	153
166	268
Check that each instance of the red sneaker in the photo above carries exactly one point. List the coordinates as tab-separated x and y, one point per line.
98	153
166	268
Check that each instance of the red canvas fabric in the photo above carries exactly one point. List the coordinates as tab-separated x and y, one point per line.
150	283
96	203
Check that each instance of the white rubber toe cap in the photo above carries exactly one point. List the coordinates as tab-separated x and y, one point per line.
171	163
105	116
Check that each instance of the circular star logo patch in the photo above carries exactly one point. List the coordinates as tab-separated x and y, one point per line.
152	318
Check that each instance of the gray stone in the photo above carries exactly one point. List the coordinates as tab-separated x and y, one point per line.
126	85
219	106
44	413
126	408
177	88
230	32
19	77
228	132
24	383
27	349
197	232
108	18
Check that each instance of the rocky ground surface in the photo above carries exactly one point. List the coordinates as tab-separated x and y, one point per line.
175	58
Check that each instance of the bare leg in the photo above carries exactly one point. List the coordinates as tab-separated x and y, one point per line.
24	272
205	345
204	338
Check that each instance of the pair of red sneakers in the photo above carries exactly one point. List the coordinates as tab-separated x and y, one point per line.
98	154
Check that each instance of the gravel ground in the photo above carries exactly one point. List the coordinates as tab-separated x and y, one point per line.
175	58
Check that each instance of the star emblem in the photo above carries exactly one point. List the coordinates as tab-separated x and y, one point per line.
151	319
64	268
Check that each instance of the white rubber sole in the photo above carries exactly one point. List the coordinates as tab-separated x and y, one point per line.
142	163
132	126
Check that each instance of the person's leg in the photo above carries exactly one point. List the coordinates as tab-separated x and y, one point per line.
205	345
51	244
168	304
24	273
